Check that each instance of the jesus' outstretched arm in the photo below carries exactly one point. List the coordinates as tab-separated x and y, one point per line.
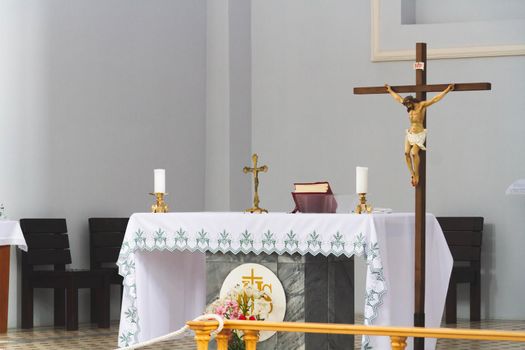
438	97
394	94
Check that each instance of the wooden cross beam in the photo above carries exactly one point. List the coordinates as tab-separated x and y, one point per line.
421	88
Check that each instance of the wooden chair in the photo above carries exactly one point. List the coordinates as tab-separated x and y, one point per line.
48	244
463	235
105	239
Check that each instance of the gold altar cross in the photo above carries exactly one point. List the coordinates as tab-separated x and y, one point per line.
255	170
421	88
251	278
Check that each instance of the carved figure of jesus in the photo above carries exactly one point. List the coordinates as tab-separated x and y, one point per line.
416	134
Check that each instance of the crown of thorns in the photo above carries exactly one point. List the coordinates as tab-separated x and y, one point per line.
410	99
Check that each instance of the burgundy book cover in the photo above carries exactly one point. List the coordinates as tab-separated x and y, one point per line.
314	202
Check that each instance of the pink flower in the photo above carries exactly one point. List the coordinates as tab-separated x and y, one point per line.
220	310
232	303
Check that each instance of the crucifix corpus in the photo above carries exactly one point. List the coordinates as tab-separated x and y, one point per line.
416	135
414	143
255	170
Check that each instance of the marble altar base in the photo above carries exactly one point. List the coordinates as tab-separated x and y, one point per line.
317	288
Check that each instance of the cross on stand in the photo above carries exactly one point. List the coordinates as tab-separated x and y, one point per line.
255	171
421	88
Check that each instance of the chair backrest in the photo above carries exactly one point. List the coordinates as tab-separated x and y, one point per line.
463	235
106	236
47	243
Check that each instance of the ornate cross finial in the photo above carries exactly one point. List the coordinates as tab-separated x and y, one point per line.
255	170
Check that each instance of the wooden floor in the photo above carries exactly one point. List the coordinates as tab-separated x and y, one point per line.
89	337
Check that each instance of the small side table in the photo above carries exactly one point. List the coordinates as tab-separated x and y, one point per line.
10	234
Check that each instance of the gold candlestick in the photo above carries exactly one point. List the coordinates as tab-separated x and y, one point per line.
255	170
363	207
160	206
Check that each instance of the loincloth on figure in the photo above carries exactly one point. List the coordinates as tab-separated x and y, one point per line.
417	139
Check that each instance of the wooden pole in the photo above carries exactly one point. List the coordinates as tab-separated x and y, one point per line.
419	302
4	286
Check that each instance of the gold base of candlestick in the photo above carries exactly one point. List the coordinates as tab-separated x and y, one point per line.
363	207
160	206
256	210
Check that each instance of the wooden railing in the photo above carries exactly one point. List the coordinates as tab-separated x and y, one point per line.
398	335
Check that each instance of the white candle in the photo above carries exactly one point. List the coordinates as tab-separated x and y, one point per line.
361	179
160	180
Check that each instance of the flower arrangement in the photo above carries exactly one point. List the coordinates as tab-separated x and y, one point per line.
242	302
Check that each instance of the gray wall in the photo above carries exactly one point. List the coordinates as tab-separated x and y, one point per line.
306	58
450	11
95	95
228	107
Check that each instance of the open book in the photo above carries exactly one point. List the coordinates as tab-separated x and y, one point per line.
314	197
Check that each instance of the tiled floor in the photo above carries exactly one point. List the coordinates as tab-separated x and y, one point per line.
88	337
91	338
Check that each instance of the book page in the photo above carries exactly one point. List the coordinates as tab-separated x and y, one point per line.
315	188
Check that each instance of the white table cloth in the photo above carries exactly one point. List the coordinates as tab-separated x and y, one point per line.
11	234
162	261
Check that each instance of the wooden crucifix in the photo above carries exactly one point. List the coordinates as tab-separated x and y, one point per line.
421	88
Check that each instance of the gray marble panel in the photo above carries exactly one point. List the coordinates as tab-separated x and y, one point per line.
314	259
316	297
329	296
216	273
291	276
341	301
341	294
317	288
263	259
271	343
293	258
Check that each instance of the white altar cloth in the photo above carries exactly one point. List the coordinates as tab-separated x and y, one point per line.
11	234
162	261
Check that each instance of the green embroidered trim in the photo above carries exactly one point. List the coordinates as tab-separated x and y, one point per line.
337	242
246	239
268	240
224	240
160	237
313	240
202	238
181	237
291	242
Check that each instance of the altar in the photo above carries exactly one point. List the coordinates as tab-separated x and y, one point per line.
163	263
